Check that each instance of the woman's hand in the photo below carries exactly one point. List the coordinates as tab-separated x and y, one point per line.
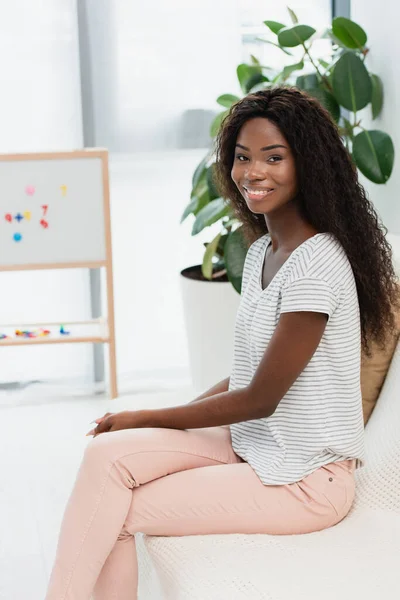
128	419
99	420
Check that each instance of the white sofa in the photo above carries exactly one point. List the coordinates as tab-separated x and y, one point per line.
357	559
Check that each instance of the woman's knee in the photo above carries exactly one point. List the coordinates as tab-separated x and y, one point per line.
106	446
112	445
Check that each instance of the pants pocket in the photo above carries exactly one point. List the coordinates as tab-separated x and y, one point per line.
338	488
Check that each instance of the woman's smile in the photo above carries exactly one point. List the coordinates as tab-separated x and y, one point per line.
255	194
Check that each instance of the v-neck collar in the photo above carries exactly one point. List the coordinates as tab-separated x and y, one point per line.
294	252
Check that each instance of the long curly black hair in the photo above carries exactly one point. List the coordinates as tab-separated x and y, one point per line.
330	197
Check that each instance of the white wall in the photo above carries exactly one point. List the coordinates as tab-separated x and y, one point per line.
380	21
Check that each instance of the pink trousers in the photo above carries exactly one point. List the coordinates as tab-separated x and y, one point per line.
171	482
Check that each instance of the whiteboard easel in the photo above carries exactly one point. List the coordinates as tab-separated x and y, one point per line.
43	198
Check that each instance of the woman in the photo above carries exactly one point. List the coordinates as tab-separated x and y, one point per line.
272	448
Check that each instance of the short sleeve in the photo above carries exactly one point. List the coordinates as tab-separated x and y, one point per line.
309	294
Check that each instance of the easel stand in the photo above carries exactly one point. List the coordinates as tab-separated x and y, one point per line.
97	249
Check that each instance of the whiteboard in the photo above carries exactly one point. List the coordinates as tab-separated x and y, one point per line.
53	209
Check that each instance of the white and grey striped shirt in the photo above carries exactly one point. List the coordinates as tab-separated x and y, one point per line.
320	418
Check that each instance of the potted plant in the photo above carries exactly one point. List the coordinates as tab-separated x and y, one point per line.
344	86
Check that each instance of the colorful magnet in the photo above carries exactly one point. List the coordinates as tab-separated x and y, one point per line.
3	336
27	214
30	190
26	334
63	190
18	217
17	237
62	331
32	334
44	223
8	217
45	207
43	332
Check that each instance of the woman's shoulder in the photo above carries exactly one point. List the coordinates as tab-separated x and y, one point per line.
323	258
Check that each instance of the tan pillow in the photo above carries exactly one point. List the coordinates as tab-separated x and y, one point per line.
374	370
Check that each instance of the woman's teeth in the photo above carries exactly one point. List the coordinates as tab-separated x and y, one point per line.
257	194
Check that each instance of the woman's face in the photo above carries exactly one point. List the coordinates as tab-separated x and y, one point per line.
263	166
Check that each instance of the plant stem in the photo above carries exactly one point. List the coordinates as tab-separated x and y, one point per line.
324	79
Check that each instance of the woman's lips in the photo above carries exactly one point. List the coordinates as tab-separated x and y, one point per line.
259	195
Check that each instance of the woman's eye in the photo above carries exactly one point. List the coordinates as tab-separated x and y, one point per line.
272	159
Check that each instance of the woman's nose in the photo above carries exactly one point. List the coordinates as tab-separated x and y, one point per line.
255	171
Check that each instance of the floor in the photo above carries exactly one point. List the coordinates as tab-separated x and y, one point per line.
41	444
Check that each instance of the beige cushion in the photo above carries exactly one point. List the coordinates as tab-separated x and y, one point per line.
374	370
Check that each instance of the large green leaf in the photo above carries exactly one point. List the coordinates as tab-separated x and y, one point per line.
234	255
216	124
244	72
329	34
201	183
373	152
377	95
200	169
198	201
204	198
294	36
249	76
227	100
307	82
259	86
349	33
289	69
327	100
254	81
274	26
211	213
221	246
351	82
211	182
190	208
200	196
207	266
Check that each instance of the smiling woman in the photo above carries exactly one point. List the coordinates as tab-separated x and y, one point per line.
316	189
282	167
273	448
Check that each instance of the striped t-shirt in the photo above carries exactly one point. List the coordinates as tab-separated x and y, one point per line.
320	418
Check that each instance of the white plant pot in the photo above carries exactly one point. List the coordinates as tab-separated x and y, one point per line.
210	309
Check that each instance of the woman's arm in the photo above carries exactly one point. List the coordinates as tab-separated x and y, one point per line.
222	386
293	343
